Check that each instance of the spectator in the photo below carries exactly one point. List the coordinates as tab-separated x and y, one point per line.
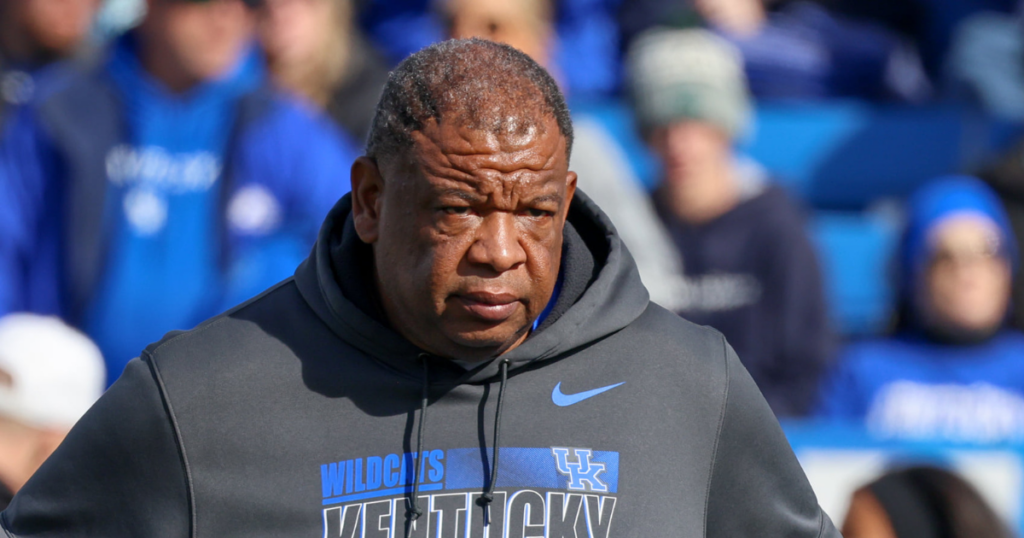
314	50
162	185
50	374
34	33
803	51
587	54
750	269
952	370
921	502
604	171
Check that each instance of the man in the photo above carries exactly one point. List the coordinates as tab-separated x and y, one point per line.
33	34
162	185
749	268
50	374
468	350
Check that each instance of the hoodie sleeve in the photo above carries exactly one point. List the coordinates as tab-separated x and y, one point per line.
119	473
757	486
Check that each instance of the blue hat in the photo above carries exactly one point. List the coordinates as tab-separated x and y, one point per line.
933	203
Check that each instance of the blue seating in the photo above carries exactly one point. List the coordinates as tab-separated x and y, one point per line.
855	249
845	155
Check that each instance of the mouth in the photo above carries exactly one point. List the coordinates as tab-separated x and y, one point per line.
488	306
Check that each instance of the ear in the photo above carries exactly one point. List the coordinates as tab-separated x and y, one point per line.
367	197
570	191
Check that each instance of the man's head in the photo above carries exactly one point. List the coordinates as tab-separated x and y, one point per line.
527	25
691	101
958	256
186	42
41	30
463	194
50	374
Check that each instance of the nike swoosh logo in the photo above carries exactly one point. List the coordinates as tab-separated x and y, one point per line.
565	400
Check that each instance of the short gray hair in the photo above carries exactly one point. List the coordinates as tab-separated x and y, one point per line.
483	84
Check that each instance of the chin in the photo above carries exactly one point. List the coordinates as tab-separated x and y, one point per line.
485	342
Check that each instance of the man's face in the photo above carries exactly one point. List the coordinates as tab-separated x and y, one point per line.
205	39
57	26
467	234
523	24
690	149
295	31
967	288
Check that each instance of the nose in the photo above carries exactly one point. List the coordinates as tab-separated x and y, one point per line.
497	244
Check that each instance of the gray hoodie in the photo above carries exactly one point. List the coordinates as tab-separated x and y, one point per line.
300	413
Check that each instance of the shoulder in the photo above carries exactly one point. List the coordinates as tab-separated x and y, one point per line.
778	209
676	344
247	336
1011	339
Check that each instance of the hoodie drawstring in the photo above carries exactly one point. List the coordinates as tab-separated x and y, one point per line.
413	511
487	498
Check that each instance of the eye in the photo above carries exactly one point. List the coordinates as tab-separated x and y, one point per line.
455	210
539	213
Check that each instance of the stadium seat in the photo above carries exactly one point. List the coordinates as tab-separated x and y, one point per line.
855	249
845	155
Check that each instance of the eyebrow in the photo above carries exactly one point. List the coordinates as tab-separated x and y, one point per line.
554	197
467	196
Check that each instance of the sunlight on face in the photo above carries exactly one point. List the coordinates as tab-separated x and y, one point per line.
469	239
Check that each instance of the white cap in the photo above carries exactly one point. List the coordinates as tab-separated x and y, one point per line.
50	374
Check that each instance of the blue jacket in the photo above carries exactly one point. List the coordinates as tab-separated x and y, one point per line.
67	156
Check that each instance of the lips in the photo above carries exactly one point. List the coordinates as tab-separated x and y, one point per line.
487	306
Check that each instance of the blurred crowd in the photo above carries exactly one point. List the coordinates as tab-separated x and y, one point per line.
158	169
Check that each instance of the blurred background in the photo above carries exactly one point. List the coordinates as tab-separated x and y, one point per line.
836	185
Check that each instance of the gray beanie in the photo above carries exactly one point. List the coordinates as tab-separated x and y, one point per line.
688	74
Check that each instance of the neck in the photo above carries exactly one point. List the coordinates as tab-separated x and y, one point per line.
703	196
15	45
162	65
745	19
317	78
18	455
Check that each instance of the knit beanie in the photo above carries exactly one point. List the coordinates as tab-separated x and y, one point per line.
688	74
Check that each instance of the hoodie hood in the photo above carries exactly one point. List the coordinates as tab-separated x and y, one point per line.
932	204
613	298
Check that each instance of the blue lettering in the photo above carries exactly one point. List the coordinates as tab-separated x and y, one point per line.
408	468
373	471
436	467
333	477
391	473
348	476
360	486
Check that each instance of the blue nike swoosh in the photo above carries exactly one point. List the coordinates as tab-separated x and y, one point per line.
565	400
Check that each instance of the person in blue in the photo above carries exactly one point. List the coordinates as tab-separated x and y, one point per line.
953	370
163	184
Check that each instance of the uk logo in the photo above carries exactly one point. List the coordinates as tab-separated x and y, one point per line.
577	465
